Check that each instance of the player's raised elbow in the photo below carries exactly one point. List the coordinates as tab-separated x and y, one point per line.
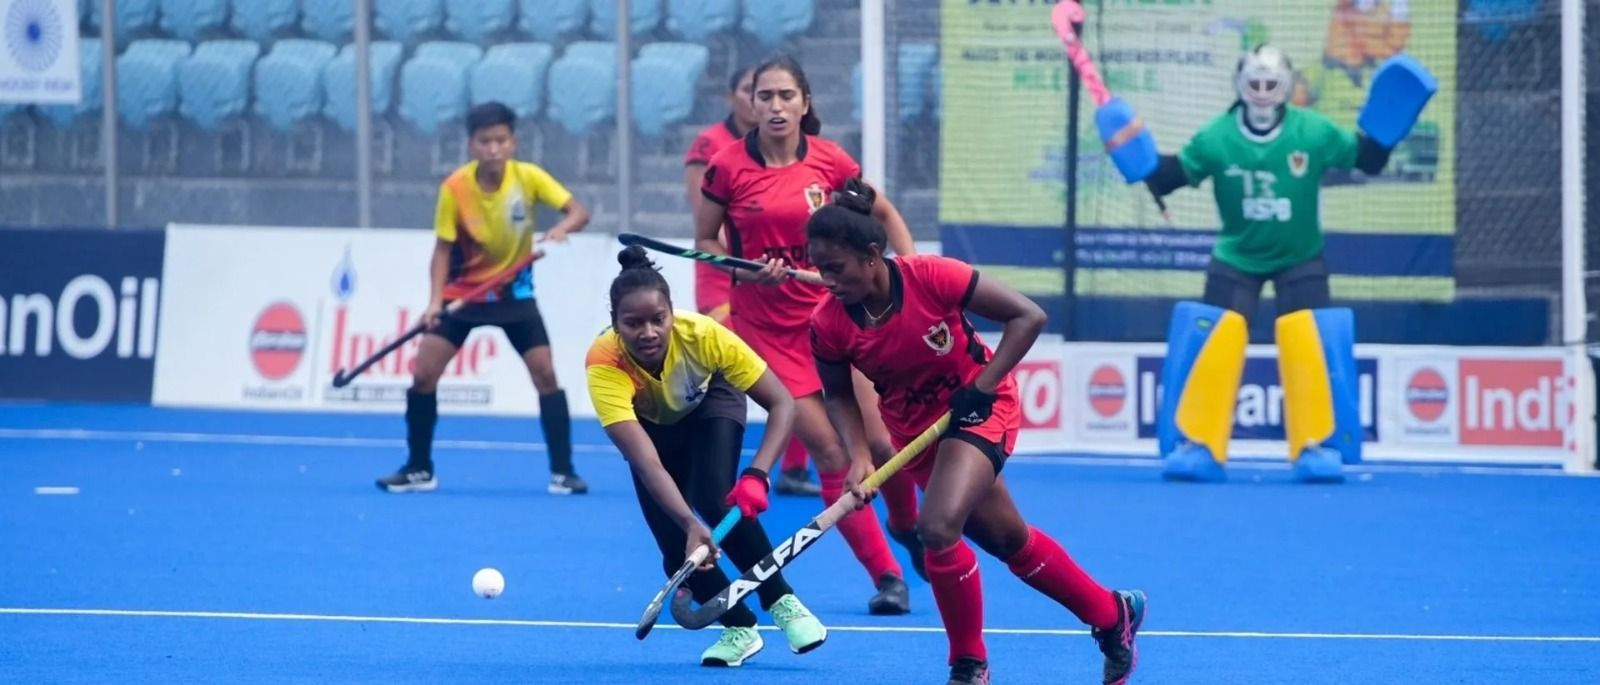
577	214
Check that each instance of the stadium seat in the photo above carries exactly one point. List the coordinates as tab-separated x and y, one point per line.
662	90
339	83
643	17
433	83
549	20
582	87
476	20
913	72
214	82
403	20
147	80
132	16
513	73
692	57
697	20
330	20
261	20
190	19
89	68
774	21
288	81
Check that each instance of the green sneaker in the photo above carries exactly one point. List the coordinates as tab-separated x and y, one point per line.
733	648
804	631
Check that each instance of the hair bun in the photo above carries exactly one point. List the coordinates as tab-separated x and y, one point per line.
634	257
856	196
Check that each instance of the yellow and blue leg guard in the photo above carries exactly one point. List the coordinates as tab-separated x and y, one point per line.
1200	389
1317	366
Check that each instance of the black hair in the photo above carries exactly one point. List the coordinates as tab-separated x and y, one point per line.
810	124
490	114
638	273
736	78
848	221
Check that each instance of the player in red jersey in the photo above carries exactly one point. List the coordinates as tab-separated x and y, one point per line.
712	285
764	189
902	322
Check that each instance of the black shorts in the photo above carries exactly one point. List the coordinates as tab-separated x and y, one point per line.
1302	286
520	320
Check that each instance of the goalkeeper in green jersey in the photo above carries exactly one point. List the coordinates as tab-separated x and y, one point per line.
1265	159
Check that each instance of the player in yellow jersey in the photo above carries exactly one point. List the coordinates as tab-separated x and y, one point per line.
485	223
669	388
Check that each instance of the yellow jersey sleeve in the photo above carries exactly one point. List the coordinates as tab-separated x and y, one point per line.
729	354
445	216
543	187
610	388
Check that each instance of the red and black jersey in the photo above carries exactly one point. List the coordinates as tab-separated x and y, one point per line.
767	210
711	285
710	141
922	352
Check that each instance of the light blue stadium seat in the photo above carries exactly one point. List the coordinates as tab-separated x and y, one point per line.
549	20
691	56
513	74
697	20
474	21
643	17
339	83
132	16
403	20
773	21
582	91
214	82
433	83
288	81
189	19
147	80
262	19
89	69
913	73
662	92
330	20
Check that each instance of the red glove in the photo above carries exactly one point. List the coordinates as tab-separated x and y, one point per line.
750	493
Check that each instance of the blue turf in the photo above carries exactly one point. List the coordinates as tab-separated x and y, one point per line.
285	528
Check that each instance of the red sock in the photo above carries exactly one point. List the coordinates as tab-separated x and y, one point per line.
861	531
1042	564
795	457
953	572
900	496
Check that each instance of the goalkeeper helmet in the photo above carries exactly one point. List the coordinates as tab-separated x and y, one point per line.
1264	79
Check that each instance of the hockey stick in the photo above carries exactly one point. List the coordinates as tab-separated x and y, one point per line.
652	612
631	239
1064	18
786	551
342	377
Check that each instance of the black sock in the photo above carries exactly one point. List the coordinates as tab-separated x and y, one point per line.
557	427
422	414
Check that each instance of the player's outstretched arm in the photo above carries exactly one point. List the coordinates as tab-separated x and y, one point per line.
1022	320
635	445
1168	176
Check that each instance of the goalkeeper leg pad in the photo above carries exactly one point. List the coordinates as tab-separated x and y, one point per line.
1200	388
1317	365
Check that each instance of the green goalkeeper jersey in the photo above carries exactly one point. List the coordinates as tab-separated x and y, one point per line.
1268	188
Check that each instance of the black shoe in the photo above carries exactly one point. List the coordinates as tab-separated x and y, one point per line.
1116	642
409	479
969	671
567	484
796	482
913	544
893	598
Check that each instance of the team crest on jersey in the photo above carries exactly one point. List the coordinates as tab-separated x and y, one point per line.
1298	161
816	197
519	211
938	337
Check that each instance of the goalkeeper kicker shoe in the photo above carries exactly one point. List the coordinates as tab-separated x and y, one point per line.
804	631
732	649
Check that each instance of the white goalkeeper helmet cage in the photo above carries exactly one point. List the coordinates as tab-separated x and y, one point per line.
1264	79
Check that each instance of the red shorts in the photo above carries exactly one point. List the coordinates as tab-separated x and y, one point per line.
996	438
787	351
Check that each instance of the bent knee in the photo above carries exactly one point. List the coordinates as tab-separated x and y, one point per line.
936	533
